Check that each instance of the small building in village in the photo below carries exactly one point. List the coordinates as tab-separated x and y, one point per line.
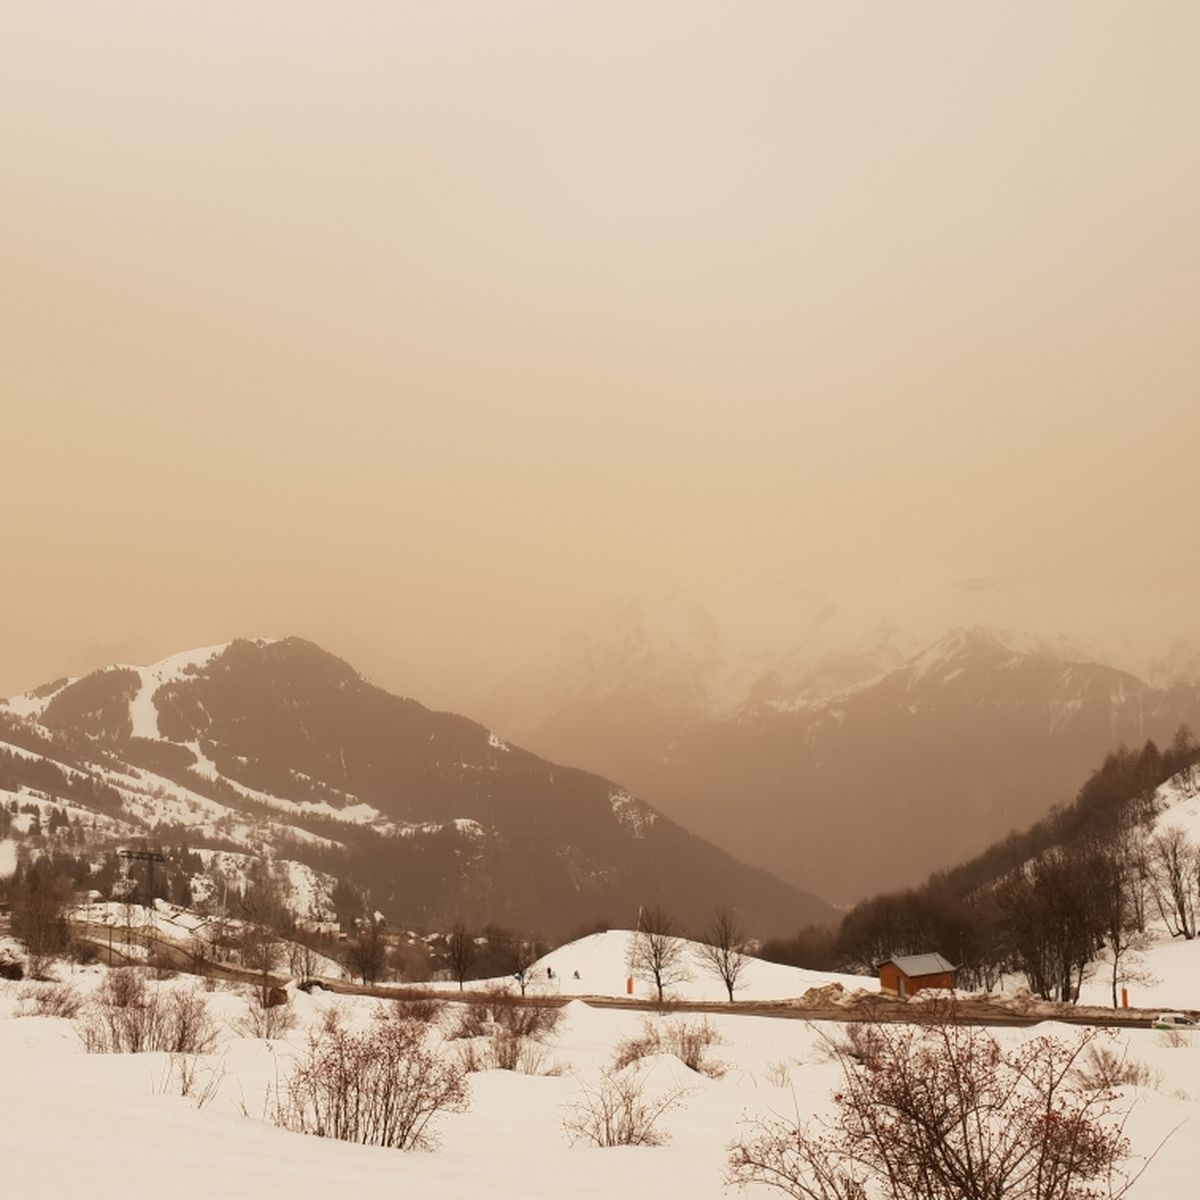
906	974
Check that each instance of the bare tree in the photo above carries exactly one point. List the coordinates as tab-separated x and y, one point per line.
1115	870
366	952
722	951
1173	863
38	901
522	955
460	952
304	961
657	954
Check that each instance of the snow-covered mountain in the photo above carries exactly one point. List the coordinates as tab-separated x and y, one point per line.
279	749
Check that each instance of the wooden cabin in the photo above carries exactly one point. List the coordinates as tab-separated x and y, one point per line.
907	974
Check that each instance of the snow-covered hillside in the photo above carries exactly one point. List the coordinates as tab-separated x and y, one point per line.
117	1126
1167	974
599	965
280	751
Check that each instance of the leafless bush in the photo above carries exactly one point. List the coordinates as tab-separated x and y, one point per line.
187	1075
1174	1039
381	1088
49	1000
779	1073
188	1027
470	1057
686	1040
690	1043
497	1009
266	1023
840	1042
427	1010
1102	1069
505	1050
944	1112
536	1021
617	1112
474	1019
132	1019
513	1032
632	1049
509	1051
122	988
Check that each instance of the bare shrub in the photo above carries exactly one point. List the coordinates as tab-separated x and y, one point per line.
535	1021
618	1112
474	1019
631	1049
779	1073
504	1050
846	1042
513	1031
470	1057
266	1023
427	1010
49	1000
188	1028
1103	1068
509	1051
133	1019
122	987
496	1008
381	1088
944	1112
1174	1039
187	1075
688	1041
535	1060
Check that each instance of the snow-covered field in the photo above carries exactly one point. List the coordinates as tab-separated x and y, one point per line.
116	1126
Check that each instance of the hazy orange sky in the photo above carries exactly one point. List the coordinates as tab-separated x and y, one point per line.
416	329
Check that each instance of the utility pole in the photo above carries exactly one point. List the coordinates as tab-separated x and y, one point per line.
149	857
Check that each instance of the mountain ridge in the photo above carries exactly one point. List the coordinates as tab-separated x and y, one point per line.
875	784
432	814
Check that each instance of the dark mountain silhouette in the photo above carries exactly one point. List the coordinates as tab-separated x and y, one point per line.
283	747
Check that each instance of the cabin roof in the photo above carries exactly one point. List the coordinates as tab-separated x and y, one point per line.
915	965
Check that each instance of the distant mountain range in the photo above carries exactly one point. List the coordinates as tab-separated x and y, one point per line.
278	748
862	760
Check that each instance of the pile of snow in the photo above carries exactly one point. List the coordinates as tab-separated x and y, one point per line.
598	965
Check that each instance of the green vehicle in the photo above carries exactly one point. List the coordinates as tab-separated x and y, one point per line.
1173	1021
